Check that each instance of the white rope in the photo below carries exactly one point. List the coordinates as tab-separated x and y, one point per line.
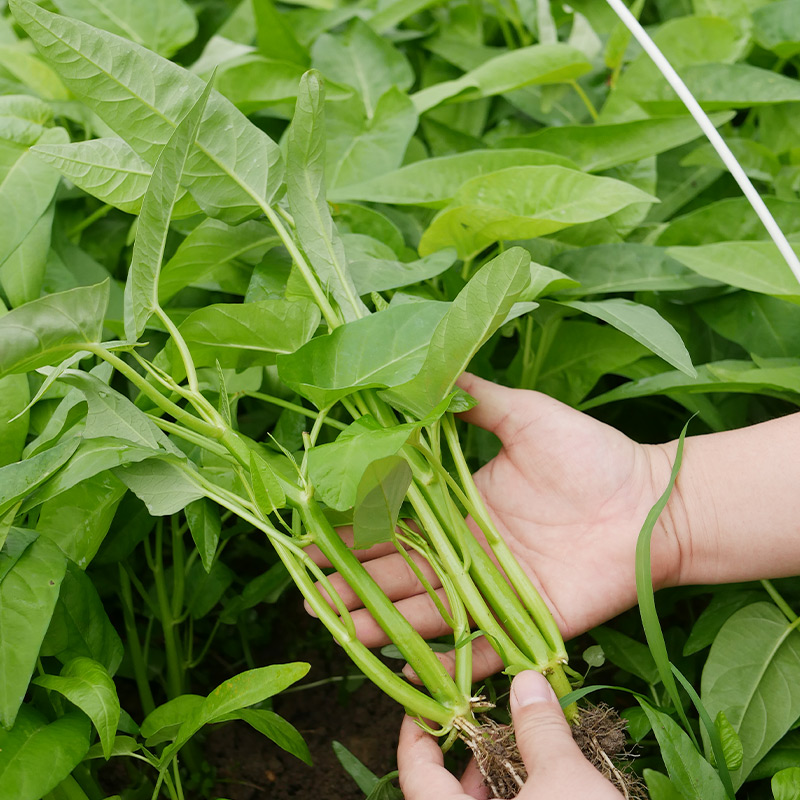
700	116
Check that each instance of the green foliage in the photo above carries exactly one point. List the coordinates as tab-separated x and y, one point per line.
245	255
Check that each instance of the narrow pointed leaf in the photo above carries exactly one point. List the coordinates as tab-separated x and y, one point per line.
266	487
141	290
305	186
205	526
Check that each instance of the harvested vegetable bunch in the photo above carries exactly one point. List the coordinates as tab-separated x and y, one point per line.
382	375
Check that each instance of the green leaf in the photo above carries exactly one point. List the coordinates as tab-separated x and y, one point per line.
629	267
88	685
785	754
364	777
141	289
523	203
28	596
305	187
336	469
161	25
243	335
731	743
278	730
599	147
162	724
785	784
275	36
242	690
689	772
627	653
660	787
23	272
80	626
477	312
723	605
383	349
380	494
435	181
204	589
161	484
44	331
362	59
205	526
25	193
642	323
269	495
375	268
142	97
78	519
210	246
21	478
755	266
14	418
752	674
108	169
36	756
776	27
535	65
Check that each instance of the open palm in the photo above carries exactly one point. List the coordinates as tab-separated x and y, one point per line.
568	494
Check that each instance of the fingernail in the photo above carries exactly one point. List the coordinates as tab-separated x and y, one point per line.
310	611
530	687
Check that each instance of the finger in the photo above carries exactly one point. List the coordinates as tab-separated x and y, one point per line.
496	407
542	732
485	661
472	782
421	766
346	535
420	611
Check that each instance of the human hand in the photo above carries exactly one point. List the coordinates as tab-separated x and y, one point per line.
569	495
556	767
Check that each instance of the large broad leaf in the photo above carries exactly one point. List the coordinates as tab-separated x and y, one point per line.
108	169
776	27
141	289
629	267
305	186
87	684
599	147
538	64
762	325
242	335
161	25
522	203
25	193
360	146
642	323
162	485
142	97
753	675
435	181
44	331
380	494
78	519
336	469
381	350
28	596
476	313
755	266
210	246
80	626
362	59
244	689
35	757
690	773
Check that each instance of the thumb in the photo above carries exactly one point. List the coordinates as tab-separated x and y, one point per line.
542	732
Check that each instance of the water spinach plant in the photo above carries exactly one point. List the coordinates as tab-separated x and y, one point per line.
329	396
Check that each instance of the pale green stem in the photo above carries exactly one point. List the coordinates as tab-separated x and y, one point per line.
585	99
183	349
306	412
779	601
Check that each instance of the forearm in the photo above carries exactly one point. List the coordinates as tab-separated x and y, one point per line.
735	512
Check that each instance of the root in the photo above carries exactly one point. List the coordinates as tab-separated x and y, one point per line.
600	733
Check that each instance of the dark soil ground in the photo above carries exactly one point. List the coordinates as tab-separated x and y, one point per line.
249	766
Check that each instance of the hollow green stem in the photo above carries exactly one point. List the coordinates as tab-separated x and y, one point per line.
585	99
183	349
90	220
193	438
298	409
171	649
777	598
516	575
